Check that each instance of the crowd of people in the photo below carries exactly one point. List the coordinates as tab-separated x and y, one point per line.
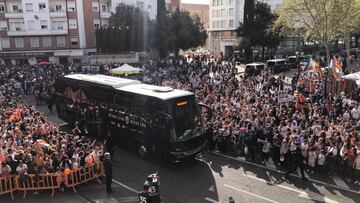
30	144
265	116
259	117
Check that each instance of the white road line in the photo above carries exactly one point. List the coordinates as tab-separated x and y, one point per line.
211	200
268	168
250	193
338	181
306	194
125	186
63	124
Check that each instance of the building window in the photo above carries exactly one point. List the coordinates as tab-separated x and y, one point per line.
223	24
140	5
60	41
217	2
96	23
16	9
231	11
3	25
214	24
72	24
149	8
19	42
74	41
42	7
16	26
71	6
2	8
58	8
46	41
5	43
34	42
231	2
103	8
43	24
31	25
58	25
95	6
214	2
104	23
223	13
29	7
231	23
222	2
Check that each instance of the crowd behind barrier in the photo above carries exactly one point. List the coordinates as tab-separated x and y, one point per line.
259	117
50	181
35	154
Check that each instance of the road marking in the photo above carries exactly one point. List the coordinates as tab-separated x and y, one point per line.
63	124
282	172
338	181
250	193
305	174
118	200
211	200
306	194
125	186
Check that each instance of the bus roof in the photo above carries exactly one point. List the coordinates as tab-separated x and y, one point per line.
133	86
276	60
255	64
163	93
113	82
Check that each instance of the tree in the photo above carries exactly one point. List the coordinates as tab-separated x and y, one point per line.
257	24
348	14
127	31
187	32
161	39
317	20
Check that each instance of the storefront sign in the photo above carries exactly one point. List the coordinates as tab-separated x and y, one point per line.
26	54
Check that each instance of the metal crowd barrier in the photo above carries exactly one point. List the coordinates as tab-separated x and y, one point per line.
51	181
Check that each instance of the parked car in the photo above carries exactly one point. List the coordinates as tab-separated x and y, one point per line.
277	65
294	61
253	69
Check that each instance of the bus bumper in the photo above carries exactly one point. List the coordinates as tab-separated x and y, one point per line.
194	152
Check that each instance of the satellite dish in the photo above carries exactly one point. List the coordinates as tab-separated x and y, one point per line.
36	17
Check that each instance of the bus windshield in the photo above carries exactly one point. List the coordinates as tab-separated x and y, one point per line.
187	117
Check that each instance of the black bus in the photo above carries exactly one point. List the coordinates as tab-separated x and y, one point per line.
153	117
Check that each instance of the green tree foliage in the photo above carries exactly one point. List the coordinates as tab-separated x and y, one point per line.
187	31
257	26
128	31
322	21
131	30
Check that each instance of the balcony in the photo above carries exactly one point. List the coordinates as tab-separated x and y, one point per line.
13	33
57	14
16	14
105	14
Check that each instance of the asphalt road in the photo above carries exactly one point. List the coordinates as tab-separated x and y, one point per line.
211	178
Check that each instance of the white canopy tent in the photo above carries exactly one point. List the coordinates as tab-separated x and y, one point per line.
125	69
354	77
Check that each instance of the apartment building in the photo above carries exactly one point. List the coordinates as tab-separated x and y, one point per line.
58	31
224	18
172	5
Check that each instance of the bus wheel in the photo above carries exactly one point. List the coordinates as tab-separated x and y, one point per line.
143	151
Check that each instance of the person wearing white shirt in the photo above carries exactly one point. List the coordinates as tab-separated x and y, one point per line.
312	158
321	161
